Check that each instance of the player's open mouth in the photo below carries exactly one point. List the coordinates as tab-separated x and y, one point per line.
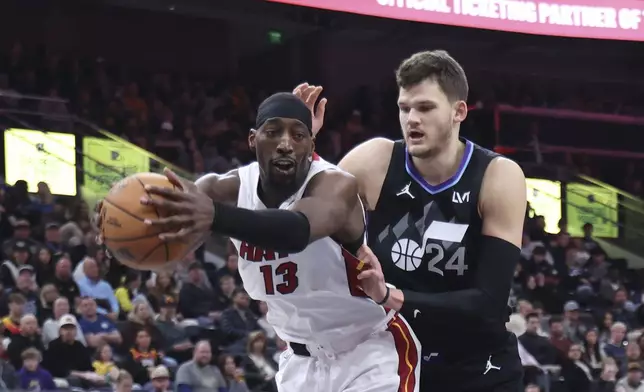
415	135
284	165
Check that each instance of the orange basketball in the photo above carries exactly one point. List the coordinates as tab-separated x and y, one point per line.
131	241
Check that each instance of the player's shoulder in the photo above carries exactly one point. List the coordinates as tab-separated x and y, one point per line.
369	157
503	180
220	187
333	180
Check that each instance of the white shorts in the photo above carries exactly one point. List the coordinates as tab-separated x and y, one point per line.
388	361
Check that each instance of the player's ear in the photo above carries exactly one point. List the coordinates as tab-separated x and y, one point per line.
460	111
251	139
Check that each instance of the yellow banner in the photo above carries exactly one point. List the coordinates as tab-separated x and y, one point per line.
544	197
106	162
592	204
36	156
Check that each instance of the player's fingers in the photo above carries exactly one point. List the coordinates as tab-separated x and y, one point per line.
368	274
166	205
167	193
172	222
298	89
315	94
321	109
178	236
175	179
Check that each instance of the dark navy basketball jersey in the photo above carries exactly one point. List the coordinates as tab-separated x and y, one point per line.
426	236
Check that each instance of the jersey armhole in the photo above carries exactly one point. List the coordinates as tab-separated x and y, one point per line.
396	164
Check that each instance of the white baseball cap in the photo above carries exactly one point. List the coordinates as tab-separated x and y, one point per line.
67	319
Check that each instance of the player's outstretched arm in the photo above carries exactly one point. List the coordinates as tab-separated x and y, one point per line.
502	207
331	197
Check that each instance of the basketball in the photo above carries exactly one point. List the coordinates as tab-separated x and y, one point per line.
124	232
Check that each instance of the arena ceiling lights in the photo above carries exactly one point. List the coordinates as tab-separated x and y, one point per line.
599	19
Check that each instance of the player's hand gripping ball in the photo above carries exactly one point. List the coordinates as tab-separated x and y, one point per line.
133	221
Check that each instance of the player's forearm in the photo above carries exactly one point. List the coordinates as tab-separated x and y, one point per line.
279	230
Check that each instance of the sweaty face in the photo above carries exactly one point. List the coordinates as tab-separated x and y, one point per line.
283	147
427	117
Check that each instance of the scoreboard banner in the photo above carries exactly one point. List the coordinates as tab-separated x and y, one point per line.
106	162
592	204
36	156
600	19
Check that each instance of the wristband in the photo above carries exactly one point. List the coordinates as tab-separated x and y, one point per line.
384	300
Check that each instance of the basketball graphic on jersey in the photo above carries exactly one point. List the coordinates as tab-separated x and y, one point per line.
407	254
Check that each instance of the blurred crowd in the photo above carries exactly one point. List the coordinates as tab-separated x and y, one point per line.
75	318
201	123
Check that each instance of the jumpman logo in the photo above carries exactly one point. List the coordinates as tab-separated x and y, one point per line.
489	366
405	191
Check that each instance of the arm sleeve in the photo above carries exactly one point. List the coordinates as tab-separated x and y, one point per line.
280	230
497	260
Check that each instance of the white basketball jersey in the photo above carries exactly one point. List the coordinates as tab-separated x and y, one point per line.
312	295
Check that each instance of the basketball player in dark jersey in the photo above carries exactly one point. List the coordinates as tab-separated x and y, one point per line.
445	227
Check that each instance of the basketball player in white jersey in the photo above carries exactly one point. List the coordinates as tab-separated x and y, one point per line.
295	221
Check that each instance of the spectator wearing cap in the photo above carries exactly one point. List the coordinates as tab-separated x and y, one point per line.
198	375
91	285
28	337
159	380
97	328
238	321
196	298
32	376
67	357
176	339
51	327
11	322
21	232
64	282
574	327
26	285
52	239
632	382
20	258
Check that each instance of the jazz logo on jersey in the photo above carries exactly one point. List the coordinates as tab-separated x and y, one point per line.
439	242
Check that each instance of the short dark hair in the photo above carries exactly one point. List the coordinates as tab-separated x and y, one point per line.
17	298
437	65
531	315
555	319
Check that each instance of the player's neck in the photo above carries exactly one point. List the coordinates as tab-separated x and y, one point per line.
442	166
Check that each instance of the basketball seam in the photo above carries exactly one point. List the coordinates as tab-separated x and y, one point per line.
156	211
123	210
125	239
155	247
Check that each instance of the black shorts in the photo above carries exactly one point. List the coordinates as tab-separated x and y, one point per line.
498	370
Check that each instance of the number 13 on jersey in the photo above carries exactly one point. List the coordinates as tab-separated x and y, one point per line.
286	271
